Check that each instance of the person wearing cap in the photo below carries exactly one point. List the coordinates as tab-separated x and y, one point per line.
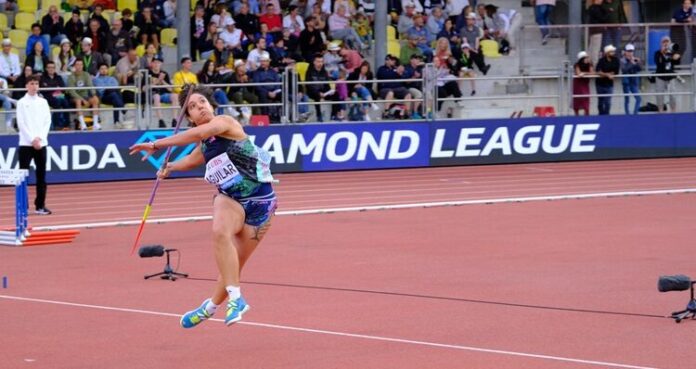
111	96
34	123
56	97
52	26
542	15
233	38
333	62
630	64
118	41
86	96
293	21
423	37
9	63
160	94
666	59
581	83
267	93
465	66
90	58
341	29
65	58
607	68
34	38
74	28
471	34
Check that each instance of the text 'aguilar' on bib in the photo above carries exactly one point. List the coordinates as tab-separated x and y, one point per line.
221	172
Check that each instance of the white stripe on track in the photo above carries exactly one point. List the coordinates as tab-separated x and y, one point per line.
345	334
382	207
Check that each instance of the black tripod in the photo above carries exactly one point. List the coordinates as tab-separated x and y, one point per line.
689	312
168	272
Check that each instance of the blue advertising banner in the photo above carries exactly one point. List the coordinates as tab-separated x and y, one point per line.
102	156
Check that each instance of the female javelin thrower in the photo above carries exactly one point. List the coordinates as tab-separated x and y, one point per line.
244	206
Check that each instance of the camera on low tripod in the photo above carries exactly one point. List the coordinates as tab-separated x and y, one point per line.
679	282
159	250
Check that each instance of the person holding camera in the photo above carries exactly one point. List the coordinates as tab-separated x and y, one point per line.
665	60
631	85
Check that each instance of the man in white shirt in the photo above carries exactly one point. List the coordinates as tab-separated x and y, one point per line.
233	39
34	122
254	58
9	63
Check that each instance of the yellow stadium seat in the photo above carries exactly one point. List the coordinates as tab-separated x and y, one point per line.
301	69
168	35
45	4
140	50
3	22
24	21
391	32
130	4
490	49
15	51
55	50
19	37
109	15
394	48
29	6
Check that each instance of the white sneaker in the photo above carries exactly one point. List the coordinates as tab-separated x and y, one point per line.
234	113
83	126
374	106
96	126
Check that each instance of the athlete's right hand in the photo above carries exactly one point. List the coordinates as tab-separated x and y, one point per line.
164	172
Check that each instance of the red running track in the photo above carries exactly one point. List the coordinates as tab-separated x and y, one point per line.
546	284
125	201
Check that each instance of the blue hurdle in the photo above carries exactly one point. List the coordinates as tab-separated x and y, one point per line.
18	178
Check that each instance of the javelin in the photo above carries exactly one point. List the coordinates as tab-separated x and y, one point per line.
148	207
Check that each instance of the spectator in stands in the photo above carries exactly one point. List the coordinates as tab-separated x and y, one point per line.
452	35
35	37
74	28
275	3
198	30
97	14
442	51
267	93
505	23
615	15
351	58
471	34
254	58
183	76
21	82
6	105
265	34
242	94
447	85
607	67
118	41
233	38
9	63
209	76
464	67
596	14
8	5
311	42
160	94
98	37
56	98
80	4
436	21
37	59
128	23
86	96
293	21
289	44
319	6
424	37
341	29
542	15
111	97
126	71
222	58
365	89
361	25
272	19
393	90
320	17
90	59
208	45
406	18
148	30
169	10
347	4
630	64
581	83
247	22
65	58
684	32
414	70
455	8
320	92
333	62
666	59
52	26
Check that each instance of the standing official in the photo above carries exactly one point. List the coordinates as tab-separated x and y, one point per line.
34	122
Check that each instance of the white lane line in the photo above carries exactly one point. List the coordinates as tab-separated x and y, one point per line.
129	222
344	334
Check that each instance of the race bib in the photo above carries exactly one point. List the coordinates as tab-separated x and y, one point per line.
221	172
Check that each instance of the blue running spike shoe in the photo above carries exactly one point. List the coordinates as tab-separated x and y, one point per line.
195	317
235	310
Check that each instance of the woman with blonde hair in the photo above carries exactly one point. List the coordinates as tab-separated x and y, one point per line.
442	50
65	58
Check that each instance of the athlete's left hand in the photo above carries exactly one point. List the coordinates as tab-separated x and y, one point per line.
145	146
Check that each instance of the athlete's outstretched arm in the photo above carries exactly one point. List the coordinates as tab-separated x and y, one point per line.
190	161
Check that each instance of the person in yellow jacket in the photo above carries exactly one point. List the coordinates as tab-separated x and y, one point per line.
183	77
